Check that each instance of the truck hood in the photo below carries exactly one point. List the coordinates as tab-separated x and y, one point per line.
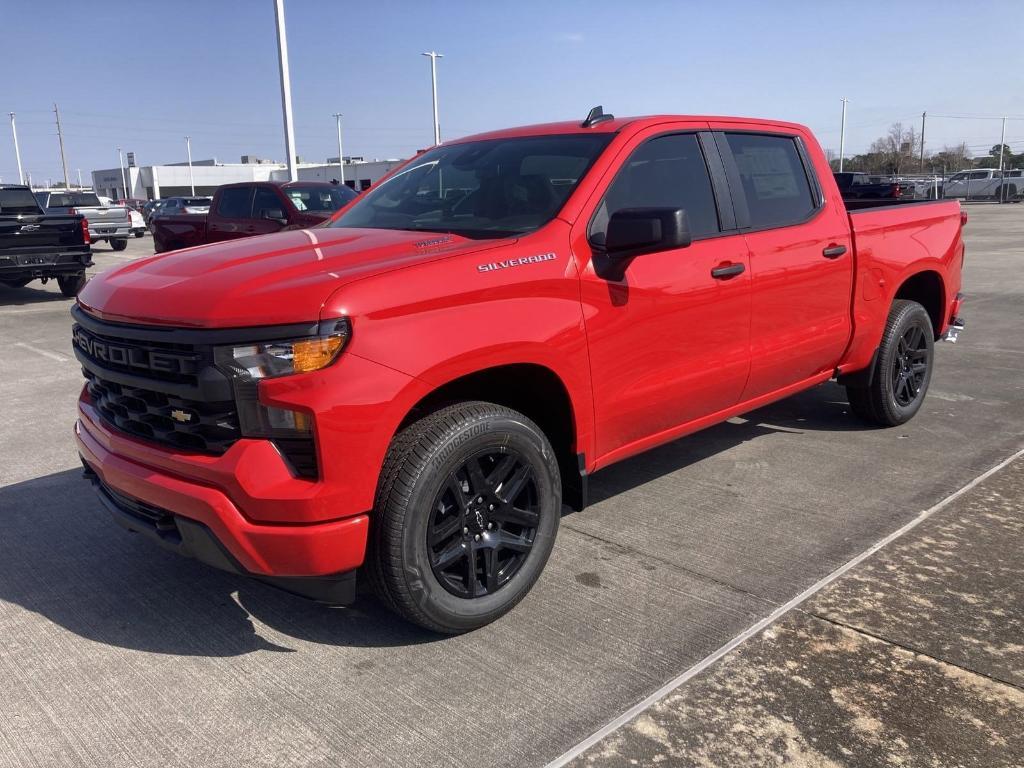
269	280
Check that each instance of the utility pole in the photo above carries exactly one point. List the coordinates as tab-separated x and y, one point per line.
79	178
17	152
924	116
434	56
120	164
191	177
1002	146
341	157
60	138
286	91
842	136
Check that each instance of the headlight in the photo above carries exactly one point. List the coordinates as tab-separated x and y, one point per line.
266	360
247	364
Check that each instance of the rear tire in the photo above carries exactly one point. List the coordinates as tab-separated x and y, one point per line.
902	371
70	285
466	515
119	244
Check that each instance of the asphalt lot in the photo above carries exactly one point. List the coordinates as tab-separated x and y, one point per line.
115	653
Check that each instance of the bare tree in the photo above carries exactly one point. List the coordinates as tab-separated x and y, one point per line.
895	150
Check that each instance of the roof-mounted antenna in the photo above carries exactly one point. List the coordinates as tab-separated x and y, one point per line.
595	116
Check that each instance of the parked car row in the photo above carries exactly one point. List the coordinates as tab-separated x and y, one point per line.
978	184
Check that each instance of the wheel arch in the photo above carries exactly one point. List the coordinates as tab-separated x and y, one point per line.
928	289
536	391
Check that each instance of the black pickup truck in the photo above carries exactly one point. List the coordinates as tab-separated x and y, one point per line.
859	186
37	245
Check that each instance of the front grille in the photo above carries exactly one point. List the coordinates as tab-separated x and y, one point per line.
157	360
209	427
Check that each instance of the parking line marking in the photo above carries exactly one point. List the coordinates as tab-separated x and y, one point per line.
771	618
44	352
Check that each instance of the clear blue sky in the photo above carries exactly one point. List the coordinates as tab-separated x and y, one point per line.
142	75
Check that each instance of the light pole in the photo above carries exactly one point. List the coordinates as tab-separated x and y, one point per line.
191	177
341	157
842	136
434	56
286	91
79	178
17	152
120	164
924	116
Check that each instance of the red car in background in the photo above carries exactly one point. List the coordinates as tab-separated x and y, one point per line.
250	208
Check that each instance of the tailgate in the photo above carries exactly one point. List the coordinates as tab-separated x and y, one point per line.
99	217
31	234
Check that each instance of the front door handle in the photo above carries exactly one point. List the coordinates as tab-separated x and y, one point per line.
834	251
731	270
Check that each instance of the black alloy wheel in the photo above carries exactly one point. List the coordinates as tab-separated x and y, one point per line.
483	524
909	366
898	381
467	509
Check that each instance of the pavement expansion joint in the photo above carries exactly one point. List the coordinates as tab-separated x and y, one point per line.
908	648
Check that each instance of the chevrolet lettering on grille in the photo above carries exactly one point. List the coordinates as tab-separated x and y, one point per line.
130	356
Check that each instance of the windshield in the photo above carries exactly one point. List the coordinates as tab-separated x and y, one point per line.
14	202
491	188
326	199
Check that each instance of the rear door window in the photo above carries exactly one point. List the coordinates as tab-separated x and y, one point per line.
773	177
665	172
235	203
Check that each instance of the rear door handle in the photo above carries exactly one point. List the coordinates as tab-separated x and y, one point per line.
834	251
723	273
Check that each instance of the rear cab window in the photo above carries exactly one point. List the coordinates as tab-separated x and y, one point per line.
17	202
776	184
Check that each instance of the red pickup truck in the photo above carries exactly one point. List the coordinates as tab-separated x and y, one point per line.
251	208
414	389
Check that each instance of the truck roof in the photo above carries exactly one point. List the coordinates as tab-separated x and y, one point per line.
616	124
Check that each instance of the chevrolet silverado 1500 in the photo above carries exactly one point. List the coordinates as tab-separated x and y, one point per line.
415	387
41	246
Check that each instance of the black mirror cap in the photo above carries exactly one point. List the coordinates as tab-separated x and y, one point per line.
636	231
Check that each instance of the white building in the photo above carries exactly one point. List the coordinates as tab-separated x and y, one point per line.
150	182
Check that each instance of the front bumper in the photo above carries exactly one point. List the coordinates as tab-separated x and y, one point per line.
315	560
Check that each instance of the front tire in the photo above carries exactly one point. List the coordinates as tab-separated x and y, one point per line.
903	368
466	515
70	285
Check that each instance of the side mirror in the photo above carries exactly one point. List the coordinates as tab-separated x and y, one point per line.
274	214
636	231
633	232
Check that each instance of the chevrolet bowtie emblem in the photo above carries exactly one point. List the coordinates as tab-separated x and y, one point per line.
183	416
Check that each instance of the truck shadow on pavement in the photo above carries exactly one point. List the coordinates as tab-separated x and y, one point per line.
821	409
62	558
33	293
